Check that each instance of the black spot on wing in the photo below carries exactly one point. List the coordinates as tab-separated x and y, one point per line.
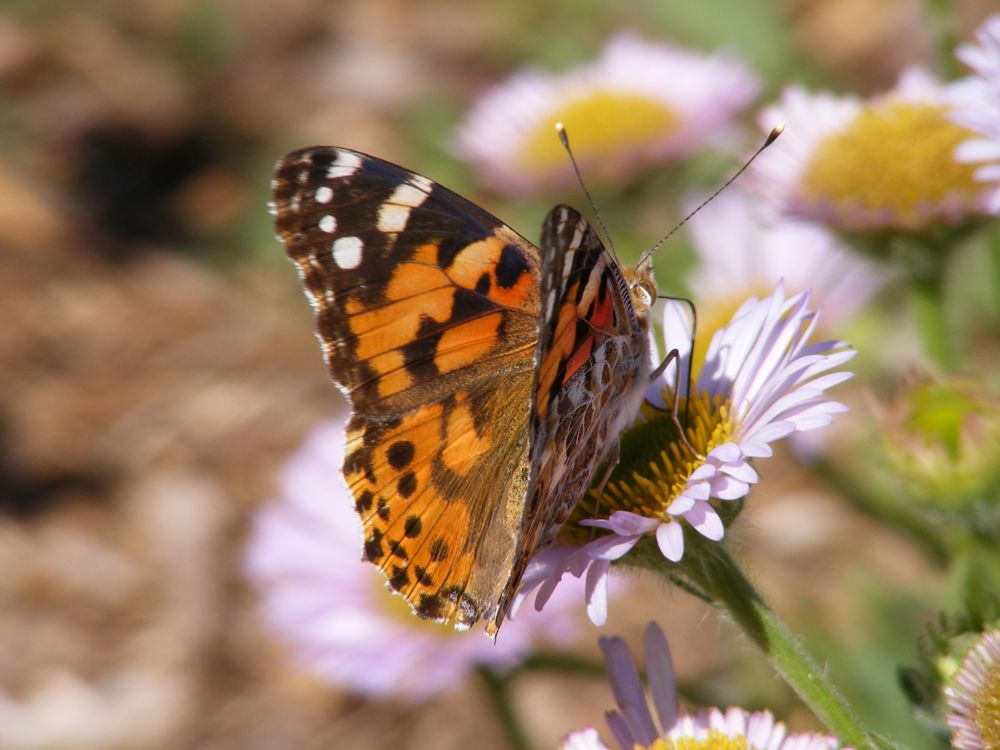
373	546
431	607
413	526
439	550
364	502
399	579
483	284
407	484
511	265
400	454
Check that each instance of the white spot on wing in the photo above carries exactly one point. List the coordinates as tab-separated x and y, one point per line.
392	214
392	217
344	165
347	252
328	223
324	194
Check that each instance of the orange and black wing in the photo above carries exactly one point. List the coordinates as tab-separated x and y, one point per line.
427	309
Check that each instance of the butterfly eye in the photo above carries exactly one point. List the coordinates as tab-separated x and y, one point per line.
642	293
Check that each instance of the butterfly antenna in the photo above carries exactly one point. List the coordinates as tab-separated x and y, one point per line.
561	130
771	138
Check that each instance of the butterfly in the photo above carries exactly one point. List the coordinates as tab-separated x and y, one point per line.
488	378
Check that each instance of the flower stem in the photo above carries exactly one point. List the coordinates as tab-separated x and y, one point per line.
496	687
931	319
715	572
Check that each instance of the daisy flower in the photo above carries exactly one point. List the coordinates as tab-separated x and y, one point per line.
741	255
974	697
635	728
978	106
637	104
760	382
885	163
333	610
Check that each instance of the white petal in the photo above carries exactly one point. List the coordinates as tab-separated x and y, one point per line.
670	539
705	521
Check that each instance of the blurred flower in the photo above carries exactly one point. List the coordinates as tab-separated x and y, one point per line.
978	105
760	382
974	697
741	256
885	163
637	104
333	609
941	437
634	727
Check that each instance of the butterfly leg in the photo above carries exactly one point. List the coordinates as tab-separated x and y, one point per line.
614	458
674	357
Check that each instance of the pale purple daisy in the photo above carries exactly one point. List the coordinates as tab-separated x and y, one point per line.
761	381
974	696
638	104
882	164
978	106
635	727
333	610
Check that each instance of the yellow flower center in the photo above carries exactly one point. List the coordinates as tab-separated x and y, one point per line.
987	718
896	161
715	740
655	464
598	123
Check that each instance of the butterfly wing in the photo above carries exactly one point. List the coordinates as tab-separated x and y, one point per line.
427	309
592	360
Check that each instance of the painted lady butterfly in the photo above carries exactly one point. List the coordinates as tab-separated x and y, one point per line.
488	379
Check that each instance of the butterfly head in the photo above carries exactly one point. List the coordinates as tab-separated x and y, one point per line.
642	287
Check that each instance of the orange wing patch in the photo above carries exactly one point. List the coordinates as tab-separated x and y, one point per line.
413	533
465	343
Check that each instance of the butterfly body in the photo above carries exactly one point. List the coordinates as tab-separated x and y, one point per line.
487	378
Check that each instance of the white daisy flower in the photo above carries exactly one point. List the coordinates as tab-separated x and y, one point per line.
333	610
639	103
978	106
974	697
866	165
635	727
760	382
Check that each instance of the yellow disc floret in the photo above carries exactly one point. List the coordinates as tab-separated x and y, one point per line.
656	465
600	123
893	166
715	740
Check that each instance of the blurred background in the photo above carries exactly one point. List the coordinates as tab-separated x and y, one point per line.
158	367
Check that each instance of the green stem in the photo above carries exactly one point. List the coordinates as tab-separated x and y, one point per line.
930	316
496	687
715	572
547	661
